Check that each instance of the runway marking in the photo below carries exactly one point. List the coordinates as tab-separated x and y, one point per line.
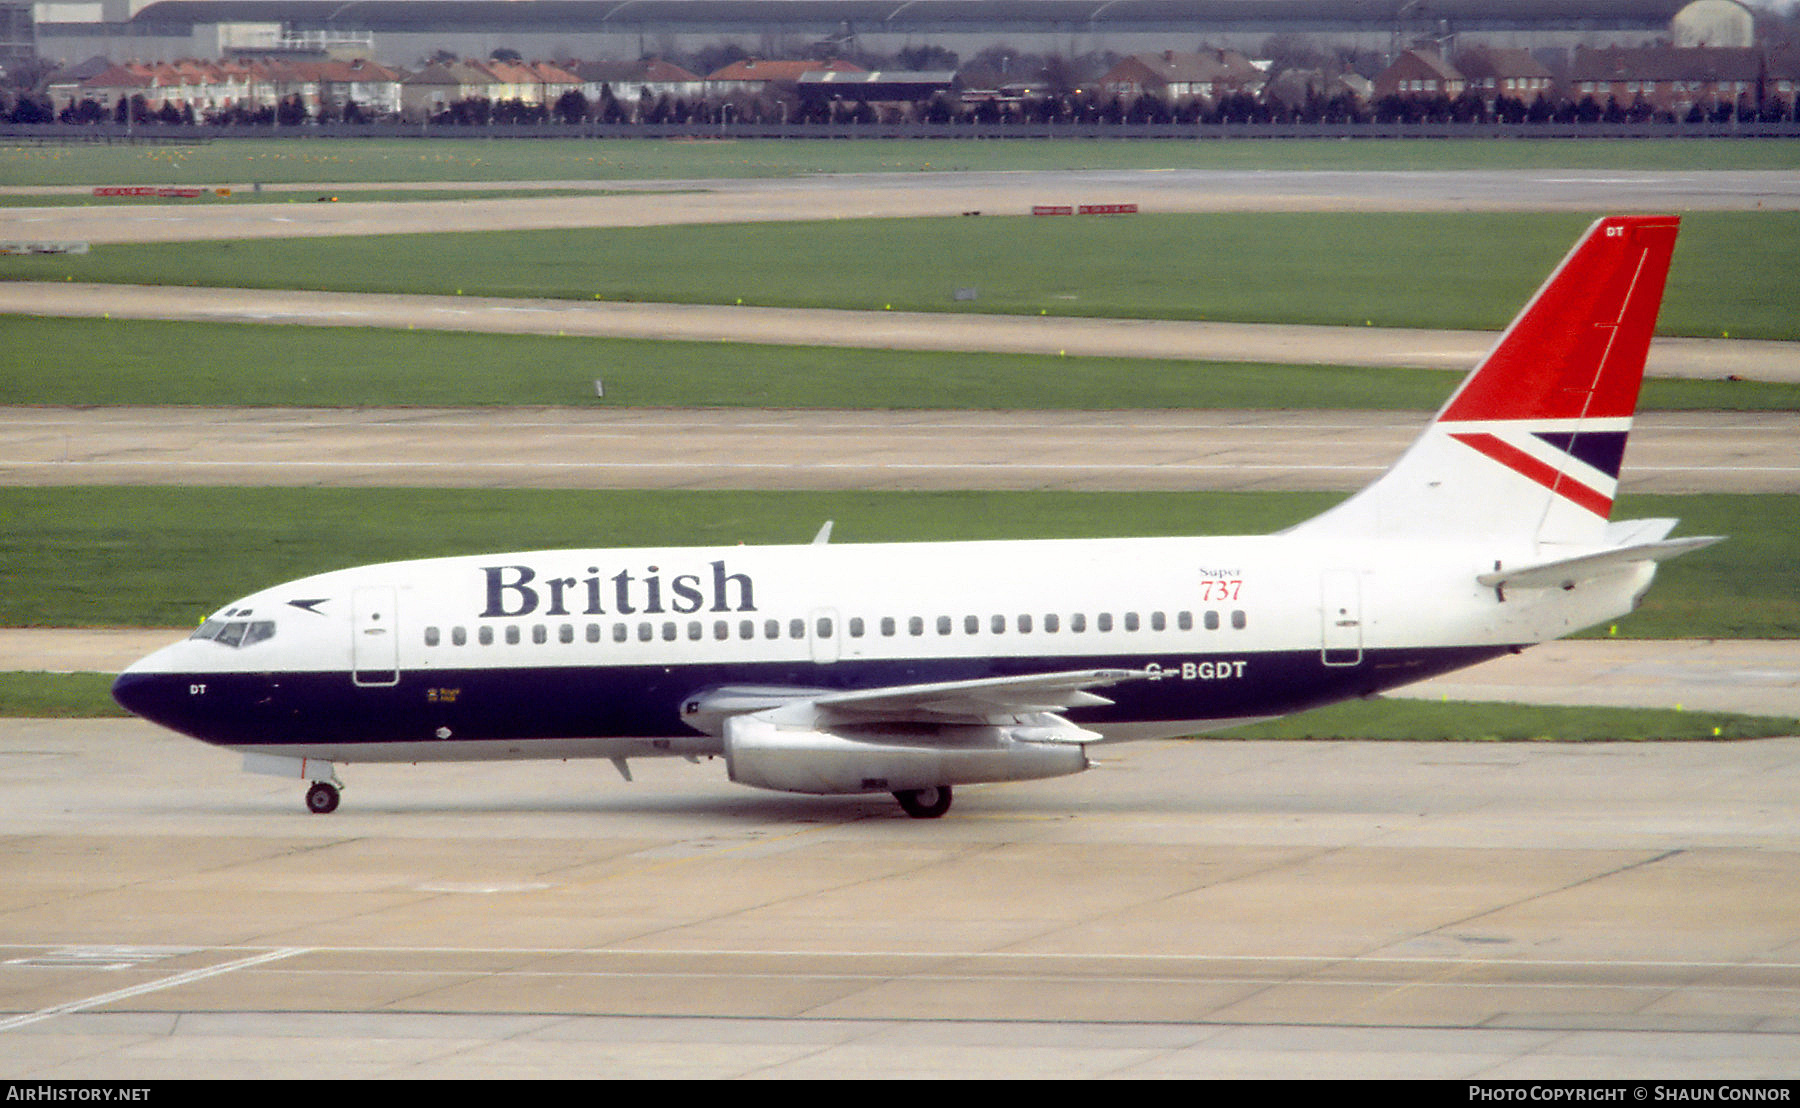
149	987
1059	466
1452	975
271	954
1638	473
615	422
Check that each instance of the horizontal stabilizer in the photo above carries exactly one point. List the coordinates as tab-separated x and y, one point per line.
1566	573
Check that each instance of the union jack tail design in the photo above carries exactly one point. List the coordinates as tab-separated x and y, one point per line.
1530	446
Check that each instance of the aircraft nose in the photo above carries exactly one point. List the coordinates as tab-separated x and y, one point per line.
137	692
147	688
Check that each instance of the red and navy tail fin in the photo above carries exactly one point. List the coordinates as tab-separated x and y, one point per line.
1530	446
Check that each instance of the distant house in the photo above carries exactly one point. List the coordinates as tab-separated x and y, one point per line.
373	88
1419	74
754	76
509	80
1174	76
440	84
1782	80
1493	72
553	81
887	86
631	81
120	82
1670	78
1296	87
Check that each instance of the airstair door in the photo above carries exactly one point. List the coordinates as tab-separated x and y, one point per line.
1340	612
375	642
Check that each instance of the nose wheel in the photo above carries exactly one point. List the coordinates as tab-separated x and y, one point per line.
322	798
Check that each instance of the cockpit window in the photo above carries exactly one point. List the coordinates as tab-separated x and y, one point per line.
236	632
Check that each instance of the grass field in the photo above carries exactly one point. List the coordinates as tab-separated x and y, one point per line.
1402	720
1733	272
465	159
165	557
124	362
292	196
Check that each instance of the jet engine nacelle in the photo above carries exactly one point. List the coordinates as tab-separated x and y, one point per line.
853	759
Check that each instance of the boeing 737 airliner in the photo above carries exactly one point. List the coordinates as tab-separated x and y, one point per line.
913	668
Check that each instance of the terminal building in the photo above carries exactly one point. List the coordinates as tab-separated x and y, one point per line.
409	32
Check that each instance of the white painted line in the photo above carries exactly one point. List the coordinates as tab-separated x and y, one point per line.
148	987
1090	467
1323	960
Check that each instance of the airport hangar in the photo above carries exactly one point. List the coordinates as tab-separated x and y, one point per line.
401	32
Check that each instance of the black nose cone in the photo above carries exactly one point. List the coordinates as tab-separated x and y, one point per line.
150	695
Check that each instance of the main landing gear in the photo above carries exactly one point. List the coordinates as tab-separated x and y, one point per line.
322	798
925	803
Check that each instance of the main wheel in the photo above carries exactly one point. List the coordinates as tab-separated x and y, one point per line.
925	803
322	798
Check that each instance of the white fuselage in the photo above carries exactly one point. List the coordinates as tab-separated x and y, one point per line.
595	652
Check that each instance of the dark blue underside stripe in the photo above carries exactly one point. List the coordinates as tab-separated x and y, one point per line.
645	702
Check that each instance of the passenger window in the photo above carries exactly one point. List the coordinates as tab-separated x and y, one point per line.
593	632
823	627
694	630
565	633
1103	621
916	625
856	627
1024	625
620	632
998	624
1131	621
721	630
1212	621
796	629
1052	623
459	636
668	630
431	636
1157	623
540	634
645	632
1185	620
486	635
1078	622
512	635
971	624
1239	620
746	629
887	627
771	629
943	625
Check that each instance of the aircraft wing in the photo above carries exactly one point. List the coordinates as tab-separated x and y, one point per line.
980	700
1566	573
